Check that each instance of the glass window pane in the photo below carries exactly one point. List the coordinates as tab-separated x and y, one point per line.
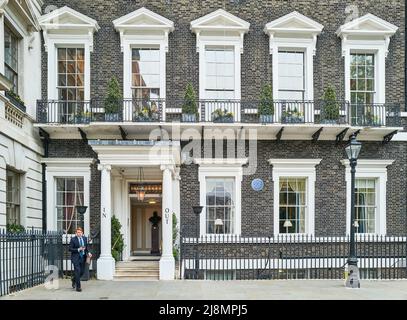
71	54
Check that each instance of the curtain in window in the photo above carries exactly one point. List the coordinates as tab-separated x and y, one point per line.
362	213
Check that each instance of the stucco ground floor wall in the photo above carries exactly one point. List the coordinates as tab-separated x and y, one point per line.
26	163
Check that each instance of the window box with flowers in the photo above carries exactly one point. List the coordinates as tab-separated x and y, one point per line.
222	116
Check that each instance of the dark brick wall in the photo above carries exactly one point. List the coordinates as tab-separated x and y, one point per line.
79	149
182	67
107	60
330	187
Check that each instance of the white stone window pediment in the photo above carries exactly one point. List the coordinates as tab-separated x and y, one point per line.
143	23
68	23
220	23
293	26
367	28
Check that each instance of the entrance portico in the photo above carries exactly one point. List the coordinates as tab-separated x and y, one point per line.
116	157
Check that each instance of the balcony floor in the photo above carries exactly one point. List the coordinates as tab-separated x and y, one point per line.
142	130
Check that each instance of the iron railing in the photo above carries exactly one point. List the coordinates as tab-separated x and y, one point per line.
28	258
229	257
219	111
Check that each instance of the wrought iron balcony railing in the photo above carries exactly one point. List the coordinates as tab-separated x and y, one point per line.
219	111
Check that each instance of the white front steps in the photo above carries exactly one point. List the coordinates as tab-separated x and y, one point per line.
138	270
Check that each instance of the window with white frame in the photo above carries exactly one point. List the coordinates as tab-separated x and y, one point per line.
292	204
370	195
13	197
293	39
69	194
11	42
291	75
365	205
362	82
294	195
220	194
71	74
365	45
220	205
220	72
145	73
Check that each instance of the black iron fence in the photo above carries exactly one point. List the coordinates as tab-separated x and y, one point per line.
219	111
232	257
28	258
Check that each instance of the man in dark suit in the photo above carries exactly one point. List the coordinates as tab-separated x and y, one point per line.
79	251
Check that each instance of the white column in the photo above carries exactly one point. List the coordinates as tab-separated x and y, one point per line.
105	263
176	200
167	262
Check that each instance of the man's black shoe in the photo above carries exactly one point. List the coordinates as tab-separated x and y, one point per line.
78	289
73	284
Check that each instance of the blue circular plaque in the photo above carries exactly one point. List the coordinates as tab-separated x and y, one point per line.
257	184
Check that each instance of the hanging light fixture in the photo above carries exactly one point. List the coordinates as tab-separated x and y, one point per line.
140	187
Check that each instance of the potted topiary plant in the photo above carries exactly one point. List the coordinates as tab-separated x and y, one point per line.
189	106
113	101
330	107
14	228
117	239
266	106
220	115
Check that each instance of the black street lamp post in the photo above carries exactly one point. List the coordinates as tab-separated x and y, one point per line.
197	211
352	151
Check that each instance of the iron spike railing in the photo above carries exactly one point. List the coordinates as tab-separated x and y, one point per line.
218	111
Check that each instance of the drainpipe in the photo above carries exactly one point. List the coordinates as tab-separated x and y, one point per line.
45	140
405	58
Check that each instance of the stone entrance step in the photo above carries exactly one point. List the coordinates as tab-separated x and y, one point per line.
139	270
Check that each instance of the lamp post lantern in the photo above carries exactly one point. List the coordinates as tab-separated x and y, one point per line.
197	210
353	278
81	211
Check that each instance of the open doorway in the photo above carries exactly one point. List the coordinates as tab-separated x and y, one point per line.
146	239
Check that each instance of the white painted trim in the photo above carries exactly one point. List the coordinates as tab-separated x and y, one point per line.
220	161
367	46
353	28
125	27
58	169
358	39
293	238
237	26
376	169
232	171
133	35
400	136
290	263
280	28
294	44
298	168
67	41
50	20
220	41
64	161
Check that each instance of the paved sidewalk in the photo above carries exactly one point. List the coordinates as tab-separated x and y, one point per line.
217	290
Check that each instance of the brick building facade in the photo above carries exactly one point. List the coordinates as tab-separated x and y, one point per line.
276	141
